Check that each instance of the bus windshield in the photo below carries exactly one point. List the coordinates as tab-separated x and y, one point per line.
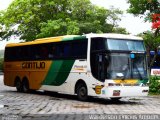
131	45
122	64
118	59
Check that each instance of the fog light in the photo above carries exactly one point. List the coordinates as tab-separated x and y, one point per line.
145	91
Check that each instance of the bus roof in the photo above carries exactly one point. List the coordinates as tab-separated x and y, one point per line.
74	37
113	35
48	40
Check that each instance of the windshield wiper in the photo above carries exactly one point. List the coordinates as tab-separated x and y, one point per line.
138	72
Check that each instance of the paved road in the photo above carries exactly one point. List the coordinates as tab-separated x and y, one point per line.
38	105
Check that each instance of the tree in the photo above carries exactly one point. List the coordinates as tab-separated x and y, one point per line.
1	64
120	30
31	19
148	37
149	9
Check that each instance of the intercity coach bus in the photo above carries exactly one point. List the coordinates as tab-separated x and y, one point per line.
101	65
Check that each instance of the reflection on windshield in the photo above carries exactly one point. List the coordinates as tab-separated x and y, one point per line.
134	45
139	67
122	64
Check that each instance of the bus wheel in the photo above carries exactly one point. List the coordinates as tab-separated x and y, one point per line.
82	92
116	99
25	86
18	85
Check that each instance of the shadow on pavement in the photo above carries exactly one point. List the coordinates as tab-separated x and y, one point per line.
60	97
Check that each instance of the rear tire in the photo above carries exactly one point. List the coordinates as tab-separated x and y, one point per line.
18	85
25	86
82	93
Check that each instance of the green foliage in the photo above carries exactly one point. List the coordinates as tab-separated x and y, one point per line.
151	41
44	18
120	30
1	64
137	6
152	44
1	53
145	8
141	7
1	59
154	86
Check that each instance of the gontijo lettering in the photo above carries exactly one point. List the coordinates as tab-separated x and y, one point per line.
33	65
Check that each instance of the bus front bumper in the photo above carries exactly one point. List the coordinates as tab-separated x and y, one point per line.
124	91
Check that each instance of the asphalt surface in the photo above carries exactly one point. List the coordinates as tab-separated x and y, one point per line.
38	105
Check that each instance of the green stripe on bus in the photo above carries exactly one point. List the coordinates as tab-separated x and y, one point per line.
53	72
74	38
58	72
144	81
63	72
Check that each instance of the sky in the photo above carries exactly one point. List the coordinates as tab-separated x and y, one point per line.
134	25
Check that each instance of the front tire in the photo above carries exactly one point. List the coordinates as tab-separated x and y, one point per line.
82	93
116	99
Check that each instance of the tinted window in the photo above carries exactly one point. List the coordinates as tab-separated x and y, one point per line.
98	44
79	49
48	51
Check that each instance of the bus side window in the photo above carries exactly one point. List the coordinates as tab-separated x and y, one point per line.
79	50
60	50
19	53
52	52
36	50
44	52
67	50
32	52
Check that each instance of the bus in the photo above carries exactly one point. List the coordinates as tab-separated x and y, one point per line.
99	65
155	68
